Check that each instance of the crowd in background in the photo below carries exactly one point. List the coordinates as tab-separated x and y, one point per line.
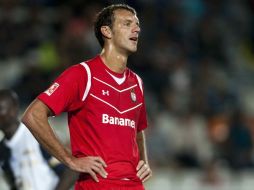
196	59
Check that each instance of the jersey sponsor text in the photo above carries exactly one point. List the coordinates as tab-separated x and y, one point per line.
106	119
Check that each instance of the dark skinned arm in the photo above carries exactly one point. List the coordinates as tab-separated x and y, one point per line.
35	119
66	179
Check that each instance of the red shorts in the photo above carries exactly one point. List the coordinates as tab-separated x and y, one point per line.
108	185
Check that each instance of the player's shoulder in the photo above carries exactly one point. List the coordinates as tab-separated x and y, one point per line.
136	77
92	60
85	66
76	70
133	74
79	67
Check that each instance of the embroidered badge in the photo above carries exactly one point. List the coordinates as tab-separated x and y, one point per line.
133	96
52	89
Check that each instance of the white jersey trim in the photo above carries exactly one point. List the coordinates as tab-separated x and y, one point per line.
119	81
121	112
114	87
88	84
16	137
140	83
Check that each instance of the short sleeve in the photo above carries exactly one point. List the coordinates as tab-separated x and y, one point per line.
65	94
142	123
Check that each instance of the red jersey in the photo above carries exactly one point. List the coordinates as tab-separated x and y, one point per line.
105	112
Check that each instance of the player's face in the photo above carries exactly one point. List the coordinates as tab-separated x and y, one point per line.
125	31
5	114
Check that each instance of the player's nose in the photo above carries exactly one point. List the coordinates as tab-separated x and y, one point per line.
136	29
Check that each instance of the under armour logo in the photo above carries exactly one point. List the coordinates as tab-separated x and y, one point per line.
105	92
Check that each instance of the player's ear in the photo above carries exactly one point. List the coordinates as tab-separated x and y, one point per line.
106	31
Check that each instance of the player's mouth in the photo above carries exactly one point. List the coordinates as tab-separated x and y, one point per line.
134	39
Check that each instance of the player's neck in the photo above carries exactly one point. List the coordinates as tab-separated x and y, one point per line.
115	61
11	130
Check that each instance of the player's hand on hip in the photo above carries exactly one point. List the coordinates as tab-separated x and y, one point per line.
144	171
92	165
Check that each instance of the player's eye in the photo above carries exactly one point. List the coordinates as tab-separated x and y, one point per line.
127	23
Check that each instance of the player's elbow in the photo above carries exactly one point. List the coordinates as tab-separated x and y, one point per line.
27	117
35	113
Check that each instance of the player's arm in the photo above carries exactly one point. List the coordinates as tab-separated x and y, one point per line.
35	119
66	179
143	169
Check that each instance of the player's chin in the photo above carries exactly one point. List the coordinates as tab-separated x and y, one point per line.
133	49
133	46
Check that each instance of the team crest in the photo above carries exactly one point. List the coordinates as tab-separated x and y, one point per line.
52	89
133	96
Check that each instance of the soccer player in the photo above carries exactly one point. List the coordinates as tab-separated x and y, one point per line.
25	164
106	110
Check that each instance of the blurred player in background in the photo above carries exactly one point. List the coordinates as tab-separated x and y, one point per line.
25	164
106	110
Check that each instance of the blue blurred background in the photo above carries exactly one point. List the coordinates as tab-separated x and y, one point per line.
196	58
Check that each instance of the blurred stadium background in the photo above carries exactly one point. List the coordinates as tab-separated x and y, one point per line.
196	58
